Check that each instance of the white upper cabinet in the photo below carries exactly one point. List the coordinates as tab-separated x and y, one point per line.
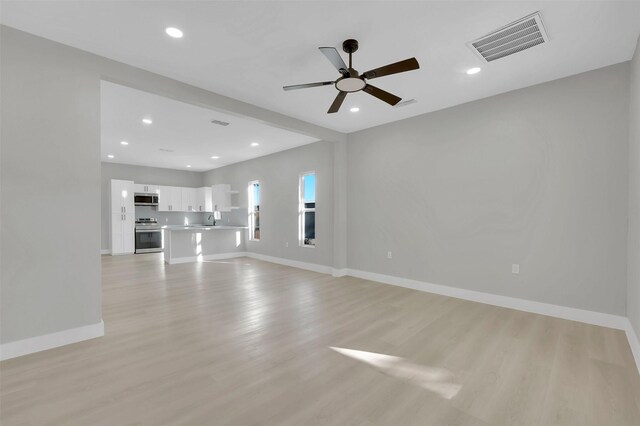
181	199
203	200
169	199
176	198
221	197
164	198
143	188
189	196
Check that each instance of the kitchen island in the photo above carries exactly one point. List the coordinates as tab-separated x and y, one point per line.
197	243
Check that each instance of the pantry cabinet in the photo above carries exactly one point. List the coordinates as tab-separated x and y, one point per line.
122	217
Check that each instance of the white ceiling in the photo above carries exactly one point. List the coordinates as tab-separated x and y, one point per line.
184	129
249	50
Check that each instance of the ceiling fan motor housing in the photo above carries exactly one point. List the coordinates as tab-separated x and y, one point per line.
350	84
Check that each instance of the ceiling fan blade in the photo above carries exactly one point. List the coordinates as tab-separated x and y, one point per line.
304	86
382	95
395	68
335	106
334	57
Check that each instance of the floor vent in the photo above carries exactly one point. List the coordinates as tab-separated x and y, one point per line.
520	35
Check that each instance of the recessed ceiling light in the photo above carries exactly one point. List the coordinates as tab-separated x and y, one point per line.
124	143
354	109
474	70
173	32
110	156
188	165
215	157
147	120
254	144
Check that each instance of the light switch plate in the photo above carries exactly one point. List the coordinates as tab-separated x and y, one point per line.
515	268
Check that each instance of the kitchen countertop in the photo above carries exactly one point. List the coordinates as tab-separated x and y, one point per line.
201	227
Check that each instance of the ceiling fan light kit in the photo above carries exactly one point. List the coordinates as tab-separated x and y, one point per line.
351	81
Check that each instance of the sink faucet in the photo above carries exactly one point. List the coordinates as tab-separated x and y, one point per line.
214	219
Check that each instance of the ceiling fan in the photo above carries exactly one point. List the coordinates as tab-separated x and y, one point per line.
351	81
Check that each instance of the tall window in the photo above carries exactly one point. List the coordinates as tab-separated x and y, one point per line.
254	210
307	210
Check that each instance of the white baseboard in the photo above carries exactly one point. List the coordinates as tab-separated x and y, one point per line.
192	259
105	251
293	263
632	337
339	272
564	312
581	315
50	341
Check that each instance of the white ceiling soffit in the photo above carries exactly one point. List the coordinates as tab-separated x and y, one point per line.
249	50
181	134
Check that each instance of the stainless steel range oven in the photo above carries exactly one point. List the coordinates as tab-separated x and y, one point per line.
148	235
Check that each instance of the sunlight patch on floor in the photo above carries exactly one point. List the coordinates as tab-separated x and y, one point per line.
435	379
199	255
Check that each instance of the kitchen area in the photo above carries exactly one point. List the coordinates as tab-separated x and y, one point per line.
157	191
144	219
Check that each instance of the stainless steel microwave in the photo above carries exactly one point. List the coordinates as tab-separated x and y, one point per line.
145	199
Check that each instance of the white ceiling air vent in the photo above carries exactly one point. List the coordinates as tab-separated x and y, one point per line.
520	35
220	123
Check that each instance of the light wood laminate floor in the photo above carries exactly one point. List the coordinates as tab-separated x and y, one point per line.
244	342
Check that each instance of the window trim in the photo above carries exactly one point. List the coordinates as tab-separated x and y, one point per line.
302	209
251	208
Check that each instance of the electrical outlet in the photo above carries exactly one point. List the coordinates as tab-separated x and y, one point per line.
389	255
515	268
286	244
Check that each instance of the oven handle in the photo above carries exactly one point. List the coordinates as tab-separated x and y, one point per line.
143	231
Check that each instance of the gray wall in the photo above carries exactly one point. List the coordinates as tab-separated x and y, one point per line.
50	189
278	175
536	176
153	176
633	294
